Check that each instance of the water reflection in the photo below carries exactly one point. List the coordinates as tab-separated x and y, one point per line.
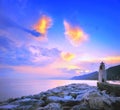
11	88
114	82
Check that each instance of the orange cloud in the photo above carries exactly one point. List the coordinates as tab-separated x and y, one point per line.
112	59
67	56
108	59
43	24
74	34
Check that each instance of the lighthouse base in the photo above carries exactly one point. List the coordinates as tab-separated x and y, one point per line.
113	89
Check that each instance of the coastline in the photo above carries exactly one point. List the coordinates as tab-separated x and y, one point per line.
68	97
12	88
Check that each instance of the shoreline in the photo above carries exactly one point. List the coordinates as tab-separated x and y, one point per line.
68	97
31	87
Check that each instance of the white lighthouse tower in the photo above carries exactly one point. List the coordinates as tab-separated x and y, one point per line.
102	73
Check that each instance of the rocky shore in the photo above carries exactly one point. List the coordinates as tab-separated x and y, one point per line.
69	97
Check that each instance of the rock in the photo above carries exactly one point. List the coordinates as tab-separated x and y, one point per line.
74	94
70	97
12	99
110	88
40	108
27	107
37	96
23	104
40	103
51	106
57	90
27	102
66	108
8	107
70	103
80	107
96	103
80	97
63	101
115	103
29	96
54	99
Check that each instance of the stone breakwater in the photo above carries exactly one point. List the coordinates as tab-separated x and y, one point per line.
69	97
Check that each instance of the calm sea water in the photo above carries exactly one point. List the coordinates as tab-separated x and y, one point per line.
11	88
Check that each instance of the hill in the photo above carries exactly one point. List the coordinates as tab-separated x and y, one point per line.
113	73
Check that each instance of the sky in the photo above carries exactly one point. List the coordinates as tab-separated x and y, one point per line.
47	39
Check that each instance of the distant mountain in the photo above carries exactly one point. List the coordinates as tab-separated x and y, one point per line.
113	73
90	76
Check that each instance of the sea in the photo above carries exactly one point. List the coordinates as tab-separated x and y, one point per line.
13	88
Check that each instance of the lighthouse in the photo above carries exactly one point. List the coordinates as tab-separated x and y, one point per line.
102	73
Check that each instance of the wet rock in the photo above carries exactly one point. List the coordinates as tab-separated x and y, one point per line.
80	97
66	108
110	88
74	94
115	103
68	97
33	102
51	106
70	102
37	96
80	107
8	107
57	90
54	99
27	107
12	99
98	102
63	101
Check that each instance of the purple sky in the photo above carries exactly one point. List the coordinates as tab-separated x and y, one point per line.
58	39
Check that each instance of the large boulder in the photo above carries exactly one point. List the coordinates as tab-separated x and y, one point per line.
98	101
110	88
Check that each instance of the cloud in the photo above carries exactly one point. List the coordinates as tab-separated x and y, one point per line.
107	59
11	54
111	59
67	56
75	71
40	72
53	52
74	34
6	43
17	56
63	66
6	22
92	63
44	55
70	71
37	50
43	24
